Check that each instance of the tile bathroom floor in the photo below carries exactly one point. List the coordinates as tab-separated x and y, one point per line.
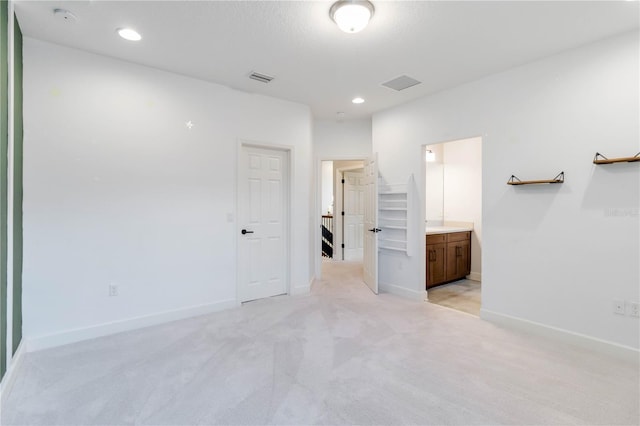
462	295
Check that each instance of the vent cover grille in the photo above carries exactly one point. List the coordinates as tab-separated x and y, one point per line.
401	83
263	78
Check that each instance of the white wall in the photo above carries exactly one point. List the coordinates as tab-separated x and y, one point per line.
327	187
342	140
554	254
434	186
118	190
463	191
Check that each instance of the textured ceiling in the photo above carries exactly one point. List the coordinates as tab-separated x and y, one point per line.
442	44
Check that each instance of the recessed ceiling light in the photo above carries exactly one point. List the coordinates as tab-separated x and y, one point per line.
357	100
129	34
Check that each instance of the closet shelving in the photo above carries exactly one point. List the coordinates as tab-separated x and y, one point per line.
394	206
601	159
514	180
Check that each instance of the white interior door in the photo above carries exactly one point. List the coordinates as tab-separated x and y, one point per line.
370	255
354	188
262	214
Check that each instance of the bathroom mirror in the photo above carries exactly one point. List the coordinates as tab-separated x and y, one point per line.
434	185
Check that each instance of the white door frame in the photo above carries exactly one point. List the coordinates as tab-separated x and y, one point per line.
289	151
370	259
317	243
422	189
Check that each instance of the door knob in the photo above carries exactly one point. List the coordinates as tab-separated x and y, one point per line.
244	232
375	230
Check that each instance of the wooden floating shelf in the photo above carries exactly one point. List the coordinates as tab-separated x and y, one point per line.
605	160
513	180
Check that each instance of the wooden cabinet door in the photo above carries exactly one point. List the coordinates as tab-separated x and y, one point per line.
436	264
465	259
458	260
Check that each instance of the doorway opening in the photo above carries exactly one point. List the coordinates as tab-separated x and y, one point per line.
342	203
342	209
453	224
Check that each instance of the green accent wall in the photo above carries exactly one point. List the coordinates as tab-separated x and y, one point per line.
4	117
18	133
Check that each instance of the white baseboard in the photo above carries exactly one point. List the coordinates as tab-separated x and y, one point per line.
475	276
419	296
10	375
588	342
312	283
76	335
295	291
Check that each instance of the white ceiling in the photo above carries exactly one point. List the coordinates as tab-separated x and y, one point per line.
441	43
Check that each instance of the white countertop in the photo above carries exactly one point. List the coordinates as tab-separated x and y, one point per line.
430	230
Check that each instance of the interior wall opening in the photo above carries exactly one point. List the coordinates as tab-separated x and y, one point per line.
341	204
453	224
342	210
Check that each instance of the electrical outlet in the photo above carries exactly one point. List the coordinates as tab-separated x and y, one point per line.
633	309
113	290
618	306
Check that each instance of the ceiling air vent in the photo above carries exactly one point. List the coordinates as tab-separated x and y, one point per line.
401	83
263	78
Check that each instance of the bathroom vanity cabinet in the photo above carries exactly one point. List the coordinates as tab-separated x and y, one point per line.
448	257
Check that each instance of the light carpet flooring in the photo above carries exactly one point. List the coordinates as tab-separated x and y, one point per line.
340	355
462	295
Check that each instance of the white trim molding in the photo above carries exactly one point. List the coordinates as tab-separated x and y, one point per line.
588	342
12	372
475	276
418	296
298	290
10	180
79	334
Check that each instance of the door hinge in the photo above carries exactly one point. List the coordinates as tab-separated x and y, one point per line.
342	245
342	213
343	181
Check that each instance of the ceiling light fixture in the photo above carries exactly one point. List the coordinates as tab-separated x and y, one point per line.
352	16
129	34
430	156
357	100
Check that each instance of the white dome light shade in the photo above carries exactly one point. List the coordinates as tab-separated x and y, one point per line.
351	16
129	34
